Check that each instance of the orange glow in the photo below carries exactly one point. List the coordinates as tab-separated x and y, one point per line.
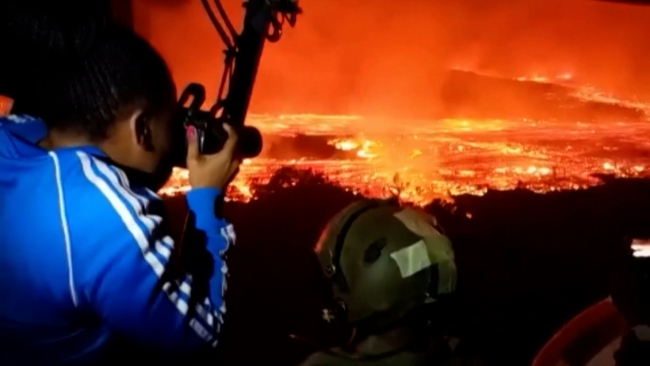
5	105
563	94
451	156
390	58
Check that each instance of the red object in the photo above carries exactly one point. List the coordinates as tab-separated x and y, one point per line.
5	105
589	339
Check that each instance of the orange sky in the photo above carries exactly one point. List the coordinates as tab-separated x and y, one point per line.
346	56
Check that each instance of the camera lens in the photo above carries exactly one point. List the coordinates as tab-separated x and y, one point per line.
250	142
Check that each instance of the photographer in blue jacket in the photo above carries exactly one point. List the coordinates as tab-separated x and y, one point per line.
84	249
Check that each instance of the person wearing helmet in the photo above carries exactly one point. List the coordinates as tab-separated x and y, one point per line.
392	270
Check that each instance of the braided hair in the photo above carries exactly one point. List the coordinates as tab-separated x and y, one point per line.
34	37
77	70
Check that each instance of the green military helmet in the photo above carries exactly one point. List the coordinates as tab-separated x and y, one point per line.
384	261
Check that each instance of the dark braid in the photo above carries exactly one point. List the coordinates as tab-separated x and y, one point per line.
80	72
119	72
35	37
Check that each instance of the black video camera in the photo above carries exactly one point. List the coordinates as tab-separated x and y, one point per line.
209	127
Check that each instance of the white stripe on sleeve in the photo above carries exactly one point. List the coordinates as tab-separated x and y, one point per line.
115	193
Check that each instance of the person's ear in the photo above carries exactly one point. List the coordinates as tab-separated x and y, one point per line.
142	129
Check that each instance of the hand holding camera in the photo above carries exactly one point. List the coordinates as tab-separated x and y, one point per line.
216	170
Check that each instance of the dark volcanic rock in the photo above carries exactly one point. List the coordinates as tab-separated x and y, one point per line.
469	95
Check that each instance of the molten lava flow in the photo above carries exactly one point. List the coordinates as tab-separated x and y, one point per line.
362	149
440	158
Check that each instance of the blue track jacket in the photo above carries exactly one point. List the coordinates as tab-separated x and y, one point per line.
82	253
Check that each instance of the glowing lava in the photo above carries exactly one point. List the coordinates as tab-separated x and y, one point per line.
452	157
440	158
